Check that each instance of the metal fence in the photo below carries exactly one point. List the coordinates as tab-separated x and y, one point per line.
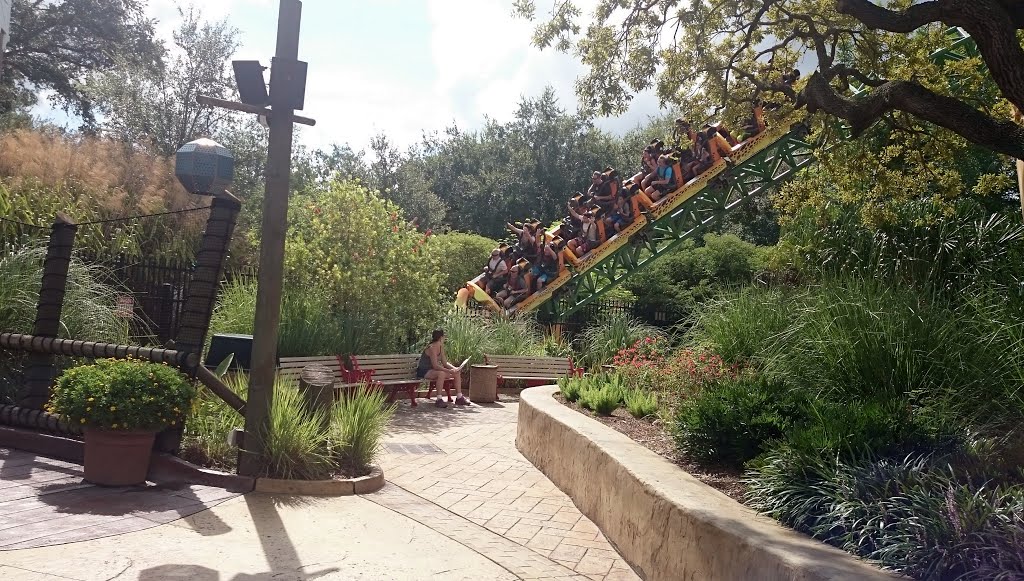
154	292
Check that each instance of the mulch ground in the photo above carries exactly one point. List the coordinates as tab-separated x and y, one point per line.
654	435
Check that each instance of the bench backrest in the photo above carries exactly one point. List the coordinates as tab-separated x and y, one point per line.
291	367
387	367
539	367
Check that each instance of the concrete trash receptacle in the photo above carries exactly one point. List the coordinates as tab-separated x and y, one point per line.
484	383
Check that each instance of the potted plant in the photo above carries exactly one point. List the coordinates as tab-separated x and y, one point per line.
121	405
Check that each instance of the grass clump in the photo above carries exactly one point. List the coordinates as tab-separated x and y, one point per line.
570	387
604	400
641	403
600	342
358	424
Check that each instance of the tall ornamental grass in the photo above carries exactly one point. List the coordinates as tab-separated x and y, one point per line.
299	443
600	342
474	335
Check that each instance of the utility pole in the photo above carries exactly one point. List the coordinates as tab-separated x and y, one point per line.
275	226
287	93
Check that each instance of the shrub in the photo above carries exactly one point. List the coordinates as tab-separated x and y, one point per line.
734	421
641	403
570	387
459	257
556	347
357	251
917	514
603	400
208	424
600	342
358	423
89	179
122	395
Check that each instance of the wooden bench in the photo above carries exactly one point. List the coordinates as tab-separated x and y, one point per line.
397	373
534	370
290	368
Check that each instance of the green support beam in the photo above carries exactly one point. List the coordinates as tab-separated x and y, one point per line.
767	169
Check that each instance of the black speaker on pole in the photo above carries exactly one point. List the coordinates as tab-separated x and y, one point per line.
222	345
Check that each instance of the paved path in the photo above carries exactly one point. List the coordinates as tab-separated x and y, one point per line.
484	493
461	504
44	502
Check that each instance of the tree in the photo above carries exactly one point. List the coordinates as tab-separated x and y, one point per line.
157	105
708	57
55	44
358	249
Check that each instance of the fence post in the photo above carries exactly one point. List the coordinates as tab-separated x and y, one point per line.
41	372
166	303
202	293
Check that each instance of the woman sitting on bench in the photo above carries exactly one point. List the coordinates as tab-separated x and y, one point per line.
434	366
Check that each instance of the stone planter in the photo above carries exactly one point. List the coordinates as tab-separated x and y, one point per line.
115	458
372	482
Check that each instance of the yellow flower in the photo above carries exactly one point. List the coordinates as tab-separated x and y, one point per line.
82	420
114	426
113	408
91	398
88	409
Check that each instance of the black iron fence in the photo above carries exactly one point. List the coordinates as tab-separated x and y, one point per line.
154	291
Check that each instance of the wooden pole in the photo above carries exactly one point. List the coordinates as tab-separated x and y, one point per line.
41	370
274	228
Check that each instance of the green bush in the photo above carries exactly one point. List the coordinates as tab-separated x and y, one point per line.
208	424
918	514
641	403
570	387
358	424
459	257
122	395
472	335
736	420
600	342
603	400
370	266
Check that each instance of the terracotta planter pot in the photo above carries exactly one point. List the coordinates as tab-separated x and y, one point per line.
114	458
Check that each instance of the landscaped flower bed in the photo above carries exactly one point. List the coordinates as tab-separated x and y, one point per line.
856	414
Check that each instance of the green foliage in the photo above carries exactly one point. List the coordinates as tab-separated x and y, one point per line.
743	325
641	403
156	105
473	336
955	250
210	421
921	514
571	387
556	347
297	441
89	311
358	424
122	395
310	323
357	252
300	443
600	342
459	257
604	399
738	419
44	55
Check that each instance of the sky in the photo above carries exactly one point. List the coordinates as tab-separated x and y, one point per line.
405	66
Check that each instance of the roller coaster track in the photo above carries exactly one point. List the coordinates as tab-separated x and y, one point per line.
759	164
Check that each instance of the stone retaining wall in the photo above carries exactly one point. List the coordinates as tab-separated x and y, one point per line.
663	521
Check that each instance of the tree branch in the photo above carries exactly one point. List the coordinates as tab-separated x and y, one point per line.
1001	136
879	18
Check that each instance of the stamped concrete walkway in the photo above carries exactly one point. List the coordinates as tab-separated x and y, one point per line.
485	494
461	504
